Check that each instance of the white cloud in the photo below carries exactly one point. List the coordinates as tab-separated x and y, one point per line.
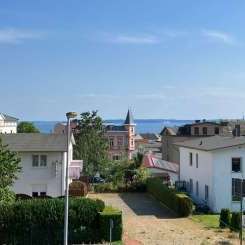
219	36
132	39
15	36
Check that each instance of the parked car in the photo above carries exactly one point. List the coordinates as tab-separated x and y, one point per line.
96	180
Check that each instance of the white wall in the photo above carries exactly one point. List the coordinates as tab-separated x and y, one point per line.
8	127
48	176
222	162
202	174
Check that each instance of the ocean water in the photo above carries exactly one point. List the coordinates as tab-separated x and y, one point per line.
142	125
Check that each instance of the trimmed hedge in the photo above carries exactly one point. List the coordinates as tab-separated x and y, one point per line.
235	221
104	224
225	218
40	221
180	203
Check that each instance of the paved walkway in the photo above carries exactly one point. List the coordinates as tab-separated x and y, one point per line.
146	221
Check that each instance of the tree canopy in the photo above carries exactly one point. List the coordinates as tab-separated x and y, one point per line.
27	127
91	144
9	169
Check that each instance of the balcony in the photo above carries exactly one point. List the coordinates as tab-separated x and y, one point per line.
75	168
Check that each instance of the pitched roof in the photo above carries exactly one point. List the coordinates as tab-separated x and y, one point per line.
213	143
129	119
150	161
169	130
8	118
115	128
149	136
31	142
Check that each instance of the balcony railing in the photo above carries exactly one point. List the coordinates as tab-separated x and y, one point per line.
75	168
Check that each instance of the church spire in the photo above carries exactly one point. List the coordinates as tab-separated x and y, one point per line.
129	119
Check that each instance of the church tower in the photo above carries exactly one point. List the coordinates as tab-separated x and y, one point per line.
130	126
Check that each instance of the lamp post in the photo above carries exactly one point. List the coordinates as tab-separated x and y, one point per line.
69	116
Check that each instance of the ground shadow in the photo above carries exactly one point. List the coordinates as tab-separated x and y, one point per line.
144	204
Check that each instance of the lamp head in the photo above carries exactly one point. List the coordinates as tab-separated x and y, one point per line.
70	115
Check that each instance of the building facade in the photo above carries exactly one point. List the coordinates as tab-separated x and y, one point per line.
213	168
8	124
121	139
43	162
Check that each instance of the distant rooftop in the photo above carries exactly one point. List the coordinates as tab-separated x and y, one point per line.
213	143
6	117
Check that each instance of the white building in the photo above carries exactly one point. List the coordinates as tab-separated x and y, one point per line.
8	124
43	162
213	168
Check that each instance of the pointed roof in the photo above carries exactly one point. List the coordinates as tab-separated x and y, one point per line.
129	119
6	117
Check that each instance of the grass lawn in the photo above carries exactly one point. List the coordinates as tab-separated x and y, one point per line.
208	220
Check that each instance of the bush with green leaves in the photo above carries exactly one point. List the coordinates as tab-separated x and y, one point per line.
178	202
41	220
110	214
235	221
6	196
225	218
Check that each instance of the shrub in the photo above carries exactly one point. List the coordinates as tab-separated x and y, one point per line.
6	196
42	220
225	218
115	215
104	187
180	203
235	221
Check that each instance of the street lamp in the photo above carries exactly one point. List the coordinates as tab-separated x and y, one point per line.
69	116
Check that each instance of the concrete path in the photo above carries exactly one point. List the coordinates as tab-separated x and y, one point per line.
146	221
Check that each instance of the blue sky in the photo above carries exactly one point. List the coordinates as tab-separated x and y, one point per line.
164	59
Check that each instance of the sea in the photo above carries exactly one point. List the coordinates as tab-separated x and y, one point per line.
142	125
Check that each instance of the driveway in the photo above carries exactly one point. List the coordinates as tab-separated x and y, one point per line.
146	221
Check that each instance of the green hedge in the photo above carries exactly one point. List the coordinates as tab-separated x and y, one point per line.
225	218
180	203
104	224
40	221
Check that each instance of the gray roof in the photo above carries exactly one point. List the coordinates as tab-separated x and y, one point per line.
129	119
8	118
213	143
115	128
31	142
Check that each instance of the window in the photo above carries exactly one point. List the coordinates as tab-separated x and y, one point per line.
191	185
111	142
35	161
197	188
205	131
206	193
132	142
216	130
236	164
43	194
120	141
196	160
115	158
196	131
35	194
43	161
39	161
236	189
190	158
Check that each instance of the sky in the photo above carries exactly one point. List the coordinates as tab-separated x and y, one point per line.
160	58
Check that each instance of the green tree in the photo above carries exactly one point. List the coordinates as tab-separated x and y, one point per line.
91	144
9	169
27	127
